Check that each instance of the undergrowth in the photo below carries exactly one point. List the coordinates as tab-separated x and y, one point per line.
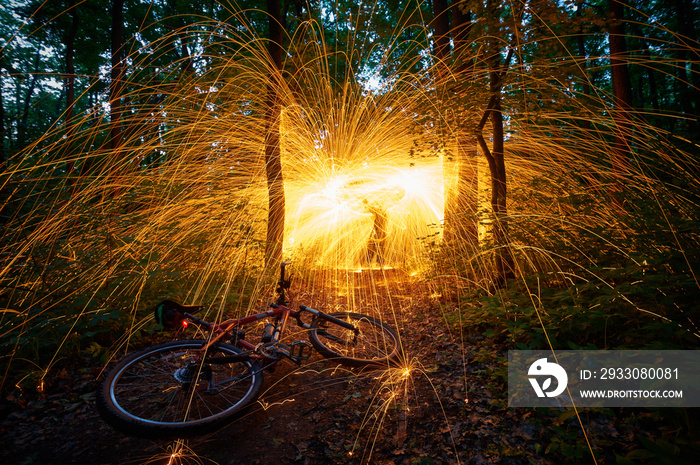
586	285
83	283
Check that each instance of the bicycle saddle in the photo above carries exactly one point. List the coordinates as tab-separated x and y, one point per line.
170	314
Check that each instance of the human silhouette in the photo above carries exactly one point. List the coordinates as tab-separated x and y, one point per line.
377	237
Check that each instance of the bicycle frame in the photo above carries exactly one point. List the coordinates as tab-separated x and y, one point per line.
282	312
264	350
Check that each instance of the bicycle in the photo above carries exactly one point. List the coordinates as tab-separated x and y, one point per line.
191	387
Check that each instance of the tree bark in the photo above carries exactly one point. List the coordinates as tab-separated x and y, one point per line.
622	94
465	208
22	124
273	157
441	26
117	76
504	259
441	51
3	157
496	159
584	61
70	76
653	87
688	93
499	200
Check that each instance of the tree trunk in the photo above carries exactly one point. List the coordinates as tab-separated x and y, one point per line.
584	62
496	159
622	93
441	26
273	157
2	124
498	201
653	88
464	222
688	94
22	124
465	207
117	75
70	77
504	259
441	51
14	141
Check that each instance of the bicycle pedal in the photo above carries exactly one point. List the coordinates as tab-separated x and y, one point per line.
300	350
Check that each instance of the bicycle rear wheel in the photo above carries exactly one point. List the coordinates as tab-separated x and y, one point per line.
374	344
163	392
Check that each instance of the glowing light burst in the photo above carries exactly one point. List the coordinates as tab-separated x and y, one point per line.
332	219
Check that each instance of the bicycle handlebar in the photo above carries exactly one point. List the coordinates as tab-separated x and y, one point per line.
325	316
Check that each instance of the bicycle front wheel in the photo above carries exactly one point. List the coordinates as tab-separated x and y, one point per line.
169	390
374	343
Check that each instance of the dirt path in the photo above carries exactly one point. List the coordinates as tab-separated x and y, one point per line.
440	411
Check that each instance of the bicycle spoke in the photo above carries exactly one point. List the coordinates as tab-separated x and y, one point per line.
157	387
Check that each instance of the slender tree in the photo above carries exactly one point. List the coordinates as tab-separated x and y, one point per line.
70	66
273	157
581	43
3	157
117	76
441	51
453	82
496	160
24	112
622	92
70	72
441	26
648	88
466	223
688	84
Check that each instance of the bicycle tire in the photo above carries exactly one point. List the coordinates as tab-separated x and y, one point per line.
376	343
160	393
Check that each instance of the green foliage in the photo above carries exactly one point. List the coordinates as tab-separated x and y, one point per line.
592	281
566	442
661	452
613	302
674	438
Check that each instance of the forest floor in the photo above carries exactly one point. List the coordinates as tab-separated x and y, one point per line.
450	409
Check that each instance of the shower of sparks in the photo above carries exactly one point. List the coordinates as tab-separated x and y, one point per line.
179	209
